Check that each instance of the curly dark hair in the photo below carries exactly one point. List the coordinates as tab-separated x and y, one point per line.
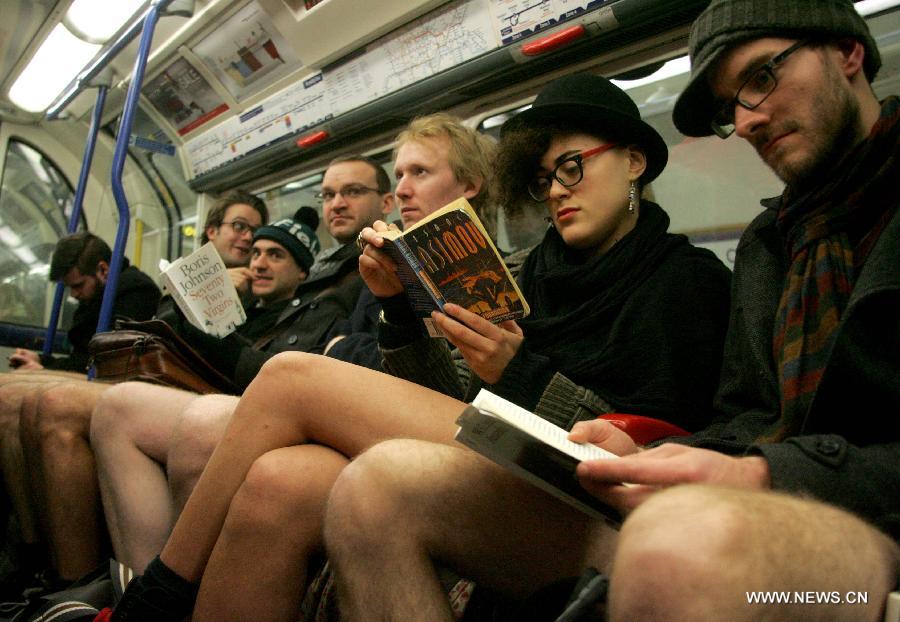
520	151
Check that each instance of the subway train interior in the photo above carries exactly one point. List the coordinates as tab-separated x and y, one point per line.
129	118
260	95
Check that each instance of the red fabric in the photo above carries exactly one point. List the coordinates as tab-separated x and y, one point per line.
105	615
643	430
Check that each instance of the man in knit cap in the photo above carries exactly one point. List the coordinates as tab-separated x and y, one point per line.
795	490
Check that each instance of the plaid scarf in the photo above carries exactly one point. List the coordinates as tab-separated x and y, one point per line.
829	232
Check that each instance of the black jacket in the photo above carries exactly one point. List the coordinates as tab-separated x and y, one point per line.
360	342
136	299
846	453
325	298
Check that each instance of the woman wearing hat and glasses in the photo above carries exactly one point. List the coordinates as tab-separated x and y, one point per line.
625	317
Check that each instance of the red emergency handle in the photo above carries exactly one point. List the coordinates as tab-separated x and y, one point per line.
554	41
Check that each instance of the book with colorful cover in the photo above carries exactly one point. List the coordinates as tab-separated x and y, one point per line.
531	448
449	257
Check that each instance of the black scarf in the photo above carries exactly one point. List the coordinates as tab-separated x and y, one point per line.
575	302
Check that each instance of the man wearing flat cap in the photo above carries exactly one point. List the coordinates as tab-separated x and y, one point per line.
795	489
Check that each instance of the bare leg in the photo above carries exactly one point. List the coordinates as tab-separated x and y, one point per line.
130	432
405	506
40	375
198	430
63	476
258	567
13	459
695	552
299	398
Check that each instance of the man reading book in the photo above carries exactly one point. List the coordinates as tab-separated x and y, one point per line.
437	160
795	489
130	445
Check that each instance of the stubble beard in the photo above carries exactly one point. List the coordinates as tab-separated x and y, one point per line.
830	136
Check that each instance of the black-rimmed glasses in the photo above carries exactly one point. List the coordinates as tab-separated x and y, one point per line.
754	91
350	191
241	226
568	173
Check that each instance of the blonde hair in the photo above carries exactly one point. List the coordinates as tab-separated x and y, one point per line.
470	156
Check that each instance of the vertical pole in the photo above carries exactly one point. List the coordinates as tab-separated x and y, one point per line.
75	216
118	165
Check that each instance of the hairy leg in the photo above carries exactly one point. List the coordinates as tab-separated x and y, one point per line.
38	376
259	565
295	399
695	552
55	438
12	459
198	430
130	432
405	507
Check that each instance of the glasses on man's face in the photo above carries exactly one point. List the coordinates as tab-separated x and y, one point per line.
349	192
241	226
754	91
568	173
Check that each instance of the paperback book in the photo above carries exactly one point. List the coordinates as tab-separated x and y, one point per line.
532	448
200	285
449	257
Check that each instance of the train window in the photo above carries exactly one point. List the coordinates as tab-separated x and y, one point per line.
35	204
155	153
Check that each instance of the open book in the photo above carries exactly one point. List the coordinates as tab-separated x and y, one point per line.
200	284
449	257
532	448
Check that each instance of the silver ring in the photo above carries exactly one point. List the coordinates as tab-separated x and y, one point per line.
361	243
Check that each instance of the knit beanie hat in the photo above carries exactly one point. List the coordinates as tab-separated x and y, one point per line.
727	22
297	235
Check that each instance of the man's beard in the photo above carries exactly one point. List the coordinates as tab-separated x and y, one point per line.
834	134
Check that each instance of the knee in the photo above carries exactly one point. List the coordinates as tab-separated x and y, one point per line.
114	410
371	493
57	414
284	367
674	547
276	492
10	404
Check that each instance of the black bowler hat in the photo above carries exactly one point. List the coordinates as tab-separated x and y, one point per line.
595	103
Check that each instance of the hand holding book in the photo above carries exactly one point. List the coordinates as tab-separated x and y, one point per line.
534	449
488	348
376	267
445	257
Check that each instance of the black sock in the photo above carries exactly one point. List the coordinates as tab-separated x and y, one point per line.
179	588
158	595
31	557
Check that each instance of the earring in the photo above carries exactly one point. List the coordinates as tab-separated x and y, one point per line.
632	197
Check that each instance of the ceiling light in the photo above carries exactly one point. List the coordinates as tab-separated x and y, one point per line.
674	67
98	20
61	57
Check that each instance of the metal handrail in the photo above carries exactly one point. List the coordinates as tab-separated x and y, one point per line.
75	216
118	164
